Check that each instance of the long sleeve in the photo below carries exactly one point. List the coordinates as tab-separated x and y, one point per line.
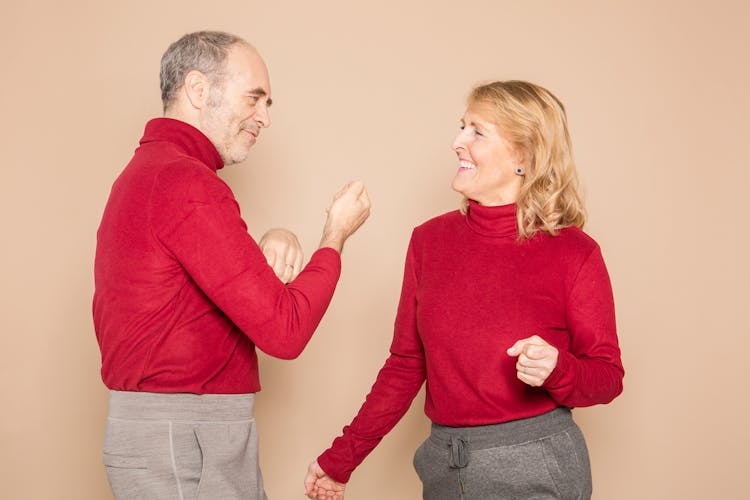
183	293
591	372
212	244
396	386
471	290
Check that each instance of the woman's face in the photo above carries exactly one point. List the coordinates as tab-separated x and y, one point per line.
487	162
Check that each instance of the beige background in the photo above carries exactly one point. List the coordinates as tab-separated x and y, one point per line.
658	103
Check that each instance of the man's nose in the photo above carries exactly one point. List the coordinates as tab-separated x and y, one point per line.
263	116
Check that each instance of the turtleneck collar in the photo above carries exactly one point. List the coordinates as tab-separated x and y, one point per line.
188	138
499	221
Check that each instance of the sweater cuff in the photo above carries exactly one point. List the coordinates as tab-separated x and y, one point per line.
328	250
327	464
328	255
563	374
325	260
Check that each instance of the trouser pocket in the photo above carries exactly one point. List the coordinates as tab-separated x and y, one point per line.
567	461
182	460
126	465
230	462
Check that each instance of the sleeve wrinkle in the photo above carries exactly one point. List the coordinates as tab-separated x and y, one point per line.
591	371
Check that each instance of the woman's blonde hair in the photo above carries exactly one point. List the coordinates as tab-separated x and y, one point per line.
533	120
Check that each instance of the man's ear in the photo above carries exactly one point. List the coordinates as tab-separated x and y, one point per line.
196	89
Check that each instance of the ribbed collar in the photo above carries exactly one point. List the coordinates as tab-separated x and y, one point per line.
188	138
499	221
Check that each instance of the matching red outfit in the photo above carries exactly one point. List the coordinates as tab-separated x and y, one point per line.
183	293
471	289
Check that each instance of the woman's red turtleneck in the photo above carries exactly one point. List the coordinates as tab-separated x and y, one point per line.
471	289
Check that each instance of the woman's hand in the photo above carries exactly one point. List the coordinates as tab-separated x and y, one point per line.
536	360
320	486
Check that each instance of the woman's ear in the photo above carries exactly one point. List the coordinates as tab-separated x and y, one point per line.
520	159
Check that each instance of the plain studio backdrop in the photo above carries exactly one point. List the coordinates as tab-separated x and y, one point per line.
657	97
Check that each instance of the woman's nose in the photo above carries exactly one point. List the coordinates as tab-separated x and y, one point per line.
458	142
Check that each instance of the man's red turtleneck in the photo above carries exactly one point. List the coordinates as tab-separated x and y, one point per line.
183	293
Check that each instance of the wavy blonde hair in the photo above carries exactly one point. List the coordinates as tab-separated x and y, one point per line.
533	120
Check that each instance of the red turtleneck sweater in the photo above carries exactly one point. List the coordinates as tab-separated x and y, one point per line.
470	291
183	293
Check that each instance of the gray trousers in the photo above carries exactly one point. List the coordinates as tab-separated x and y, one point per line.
182	447
540	458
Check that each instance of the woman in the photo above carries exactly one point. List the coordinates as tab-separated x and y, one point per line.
506	311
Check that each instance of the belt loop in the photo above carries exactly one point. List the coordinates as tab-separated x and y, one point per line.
458	454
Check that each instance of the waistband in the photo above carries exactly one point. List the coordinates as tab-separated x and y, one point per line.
187	407
507	433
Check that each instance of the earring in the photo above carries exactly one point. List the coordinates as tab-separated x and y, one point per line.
519	171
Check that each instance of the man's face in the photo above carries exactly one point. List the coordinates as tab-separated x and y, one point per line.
238	105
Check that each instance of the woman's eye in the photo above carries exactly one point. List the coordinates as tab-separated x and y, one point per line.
478	132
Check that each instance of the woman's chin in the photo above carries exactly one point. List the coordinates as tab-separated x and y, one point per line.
459	187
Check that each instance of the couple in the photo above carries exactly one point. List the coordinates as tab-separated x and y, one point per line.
506	308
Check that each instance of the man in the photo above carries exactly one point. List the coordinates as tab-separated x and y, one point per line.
183	293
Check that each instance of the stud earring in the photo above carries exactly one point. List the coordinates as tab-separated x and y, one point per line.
519	171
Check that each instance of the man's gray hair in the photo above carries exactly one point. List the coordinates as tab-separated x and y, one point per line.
205	51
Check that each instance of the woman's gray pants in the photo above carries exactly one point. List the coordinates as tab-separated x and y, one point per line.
540	458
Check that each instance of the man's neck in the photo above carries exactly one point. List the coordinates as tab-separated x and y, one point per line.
177	113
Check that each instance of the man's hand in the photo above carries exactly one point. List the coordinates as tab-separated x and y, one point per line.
349	210
283	253
536	360
319	486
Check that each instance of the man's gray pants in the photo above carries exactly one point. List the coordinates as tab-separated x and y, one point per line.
182	447
540	458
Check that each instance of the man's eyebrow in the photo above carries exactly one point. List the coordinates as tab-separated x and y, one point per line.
259	92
